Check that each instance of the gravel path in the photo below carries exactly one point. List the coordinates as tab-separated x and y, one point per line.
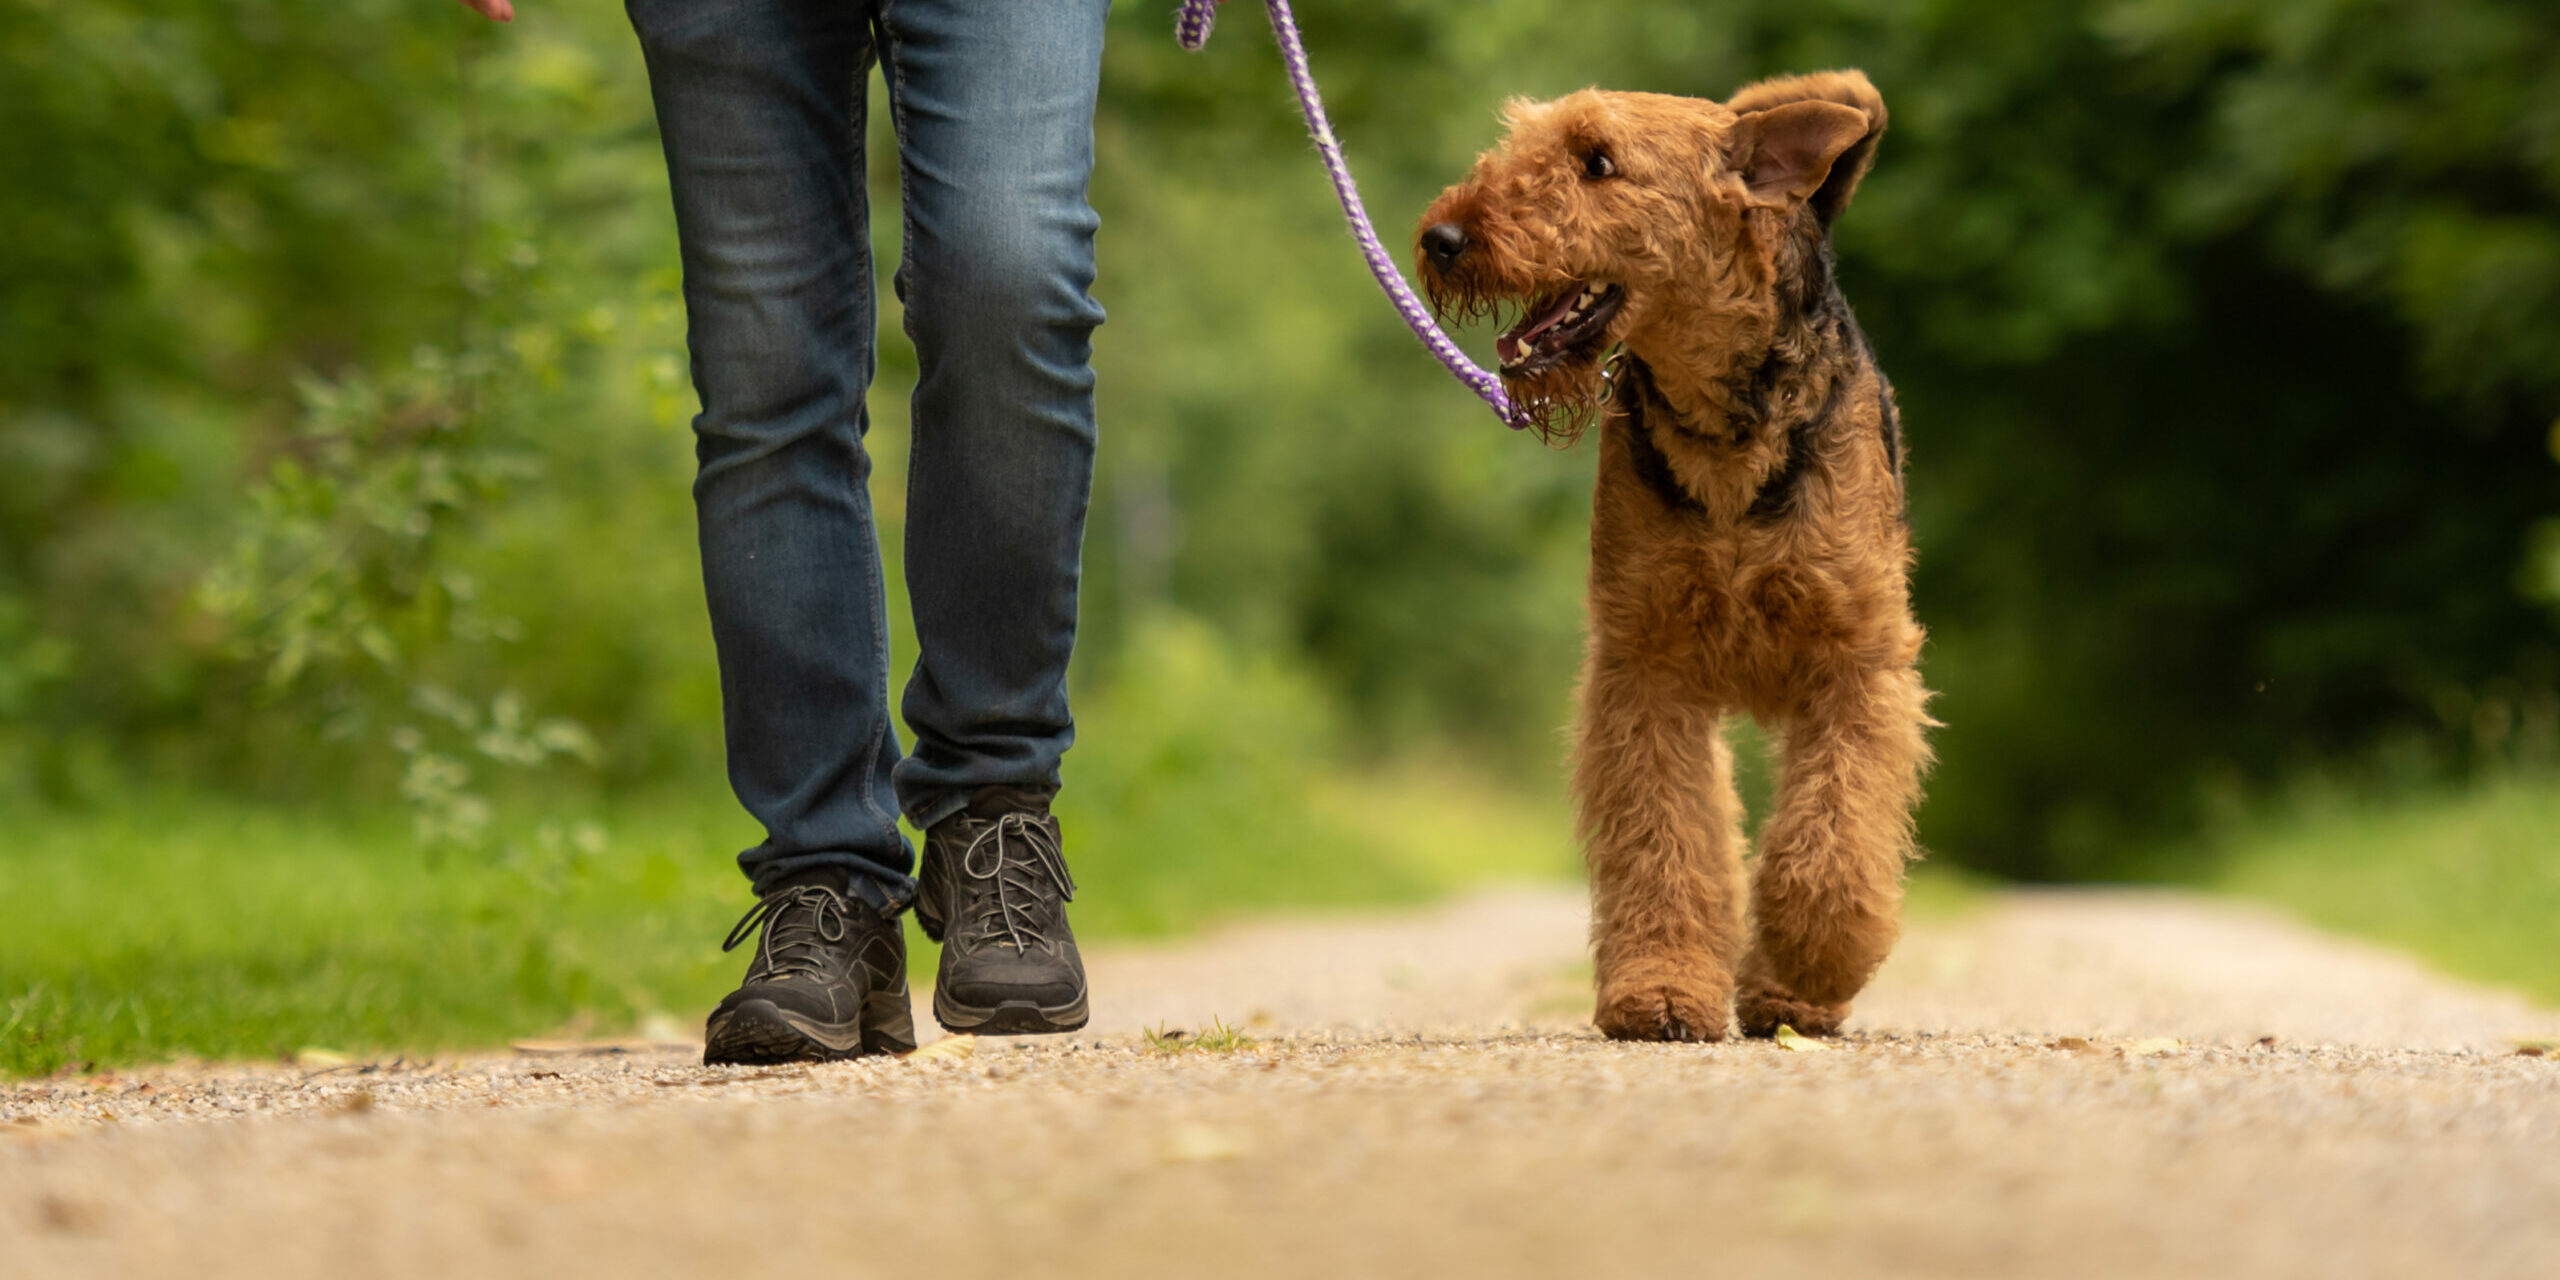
2061	1084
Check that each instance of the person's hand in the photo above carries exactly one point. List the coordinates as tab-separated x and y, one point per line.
493	10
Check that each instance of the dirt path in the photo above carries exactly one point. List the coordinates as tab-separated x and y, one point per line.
2058	1085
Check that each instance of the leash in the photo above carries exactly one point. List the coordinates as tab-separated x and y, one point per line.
1191	30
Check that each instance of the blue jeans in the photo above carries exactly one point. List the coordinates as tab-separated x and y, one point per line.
761	105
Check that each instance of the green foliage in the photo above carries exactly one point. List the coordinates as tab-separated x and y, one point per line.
178	924
1201	782
342	396
218	930
276	335
2222	331
2400	151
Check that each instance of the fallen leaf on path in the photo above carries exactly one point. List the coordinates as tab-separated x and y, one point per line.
2076	1044
59	1213
1795	1041
2537	1048
946	1049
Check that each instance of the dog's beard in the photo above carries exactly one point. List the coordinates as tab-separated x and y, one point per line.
1558	399
1559	403
1462	301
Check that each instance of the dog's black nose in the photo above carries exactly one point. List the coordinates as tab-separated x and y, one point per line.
1444	243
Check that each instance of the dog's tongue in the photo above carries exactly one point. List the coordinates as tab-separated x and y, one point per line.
1512	345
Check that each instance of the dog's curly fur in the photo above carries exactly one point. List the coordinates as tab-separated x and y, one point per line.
1749	552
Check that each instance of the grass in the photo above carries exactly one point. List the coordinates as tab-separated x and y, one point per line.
2467	880
197	926
1942	891
1217	1037
188	924
191	925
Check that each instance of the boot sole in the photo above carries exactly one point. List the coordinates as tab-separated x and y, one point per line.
1011	1018
759	1033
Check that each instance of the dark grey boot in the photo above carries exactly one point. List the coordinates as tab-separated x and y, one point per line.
829	980
993	890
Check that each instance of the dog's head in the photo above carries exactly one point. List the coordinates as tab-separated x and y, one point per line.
1602	216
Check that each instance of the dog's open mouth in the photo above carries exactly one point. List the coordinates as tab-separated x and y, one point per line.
1555	327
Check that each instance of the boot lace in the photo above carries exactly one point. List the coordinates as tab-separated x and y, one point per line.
1018	855
795	941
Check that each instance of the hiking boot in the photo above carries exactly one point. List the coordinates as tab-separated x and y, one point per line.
993	891
829	981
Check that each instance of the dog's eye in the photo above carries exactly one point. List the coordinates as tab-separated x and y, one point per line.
1597	165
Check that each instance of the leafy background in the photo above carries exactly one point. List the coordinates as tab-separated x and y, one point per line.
343	445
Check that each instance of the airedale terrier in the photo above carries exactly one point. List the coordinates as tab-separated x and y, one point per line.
1749	551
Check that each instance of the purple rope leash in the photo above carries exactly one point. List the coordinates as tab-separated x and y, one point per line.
1192	31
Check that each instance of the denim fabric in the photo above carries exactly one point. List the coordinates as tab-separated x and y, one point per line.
761	105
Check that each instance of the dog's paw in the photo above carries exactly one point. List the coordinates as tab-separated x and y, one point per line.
1661	1011
1819	950
1763	1007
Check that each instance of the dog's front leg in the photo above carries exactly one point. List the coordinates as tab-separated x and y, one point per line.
1662	831
1827	896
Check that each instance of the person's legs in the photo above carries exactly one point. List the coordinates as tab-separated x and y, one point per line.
761	106
994	110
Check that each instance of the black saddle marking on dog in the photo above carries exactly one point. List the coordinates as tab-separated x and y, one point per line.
1652	466
1813	310
1888	424
1808	303
1777	494
1812	315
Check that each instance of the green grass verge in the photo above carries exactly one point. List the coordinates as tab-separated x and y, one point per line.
189	925
184	924
2468	881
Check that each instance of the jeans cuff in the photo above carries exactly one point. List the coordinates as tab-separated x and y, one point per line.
936	809
885	894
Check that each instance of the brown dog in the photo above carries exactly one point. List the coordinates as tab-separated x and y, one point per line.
1748	547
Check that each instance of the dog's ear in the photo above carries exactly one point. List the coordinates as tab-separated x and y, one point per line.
1789	147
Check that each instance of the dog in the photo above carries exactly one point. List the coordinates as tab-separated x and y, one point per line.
1749	547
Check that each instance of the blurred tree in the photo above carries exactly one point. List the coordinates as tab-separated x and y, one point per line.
202	200
2226	333
251	332
2224	330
